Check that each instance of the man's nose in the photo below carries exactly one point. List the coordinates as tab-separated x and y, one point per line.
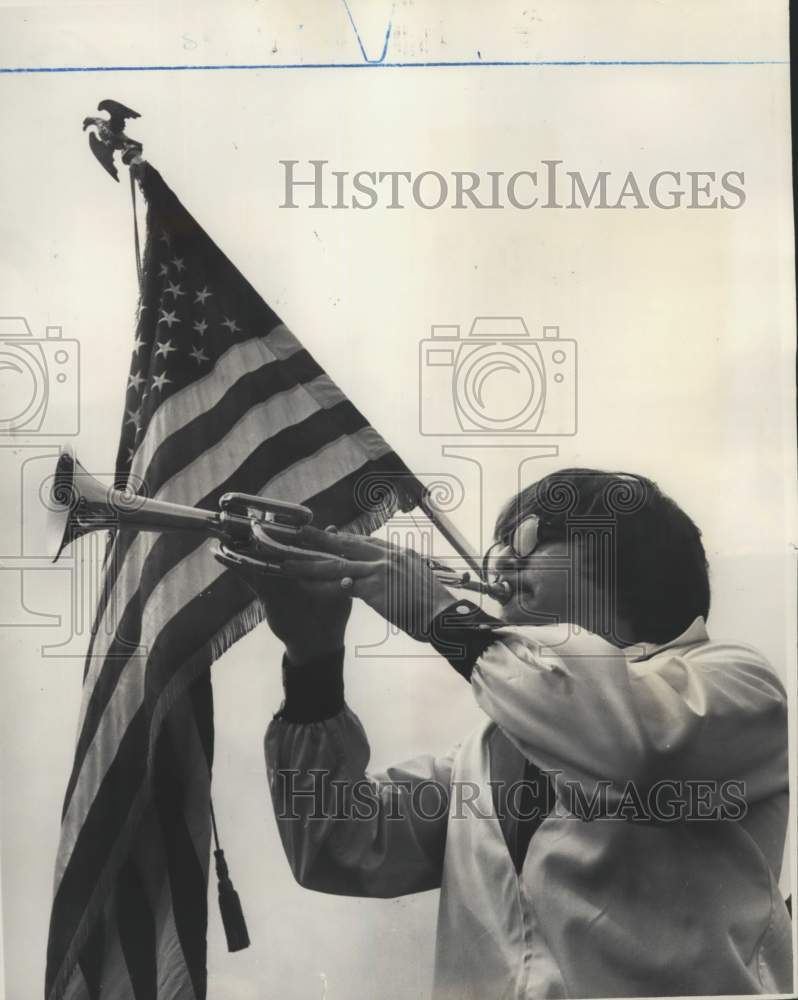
505	560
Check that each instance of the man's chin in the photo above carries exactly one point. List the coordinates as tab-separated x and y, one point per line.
516	612
509	613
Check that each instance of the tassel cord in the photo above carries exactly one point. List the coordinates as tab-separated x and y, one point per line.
213	827
136	241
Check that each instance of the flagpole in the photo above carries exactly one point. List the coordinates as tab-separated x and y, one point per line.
452	534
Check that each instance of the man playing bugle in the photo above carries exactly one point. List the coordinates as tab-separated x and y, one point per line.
615	826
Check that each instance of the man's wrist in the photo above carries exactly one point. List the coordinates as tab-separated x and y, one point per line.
314	688
461	632
301	653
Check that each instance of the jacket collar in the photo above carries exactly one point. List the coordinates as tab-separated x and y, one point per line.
694	633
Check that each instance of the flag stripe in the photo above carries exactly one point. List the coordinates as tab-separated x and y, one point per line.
115	980
103	813
330	500
323	467
238	364
187	876
91	961
201	697
292	409
103	820
86	869
76	988
136	925
126	707
108	665
150	855
260	395
169	618
195	769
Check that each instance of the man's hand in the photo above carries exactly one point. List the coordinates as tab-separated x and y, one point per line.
396	582
309	618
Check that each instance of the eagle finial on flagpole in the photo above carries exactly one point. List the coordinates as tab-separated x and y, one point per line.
110	136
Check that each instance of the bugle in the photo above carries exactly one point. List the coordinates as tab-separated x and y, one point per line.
80	503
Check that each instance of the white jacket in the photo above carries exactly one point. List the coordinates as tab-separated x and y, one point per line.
602	908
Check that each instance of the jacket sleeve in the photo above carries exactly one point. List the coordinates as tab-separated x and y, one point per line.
575	704
345	830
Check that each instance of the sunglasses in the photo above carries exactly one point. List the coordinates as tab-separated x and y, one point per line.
522	542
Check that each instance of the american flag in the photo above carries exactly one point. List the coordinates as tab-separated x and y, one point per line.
220	397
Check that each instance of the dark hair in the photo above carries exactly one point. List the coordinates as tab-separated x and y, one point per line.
659	568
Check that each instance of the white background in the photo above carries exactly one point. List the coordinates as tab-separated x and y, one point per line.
684	322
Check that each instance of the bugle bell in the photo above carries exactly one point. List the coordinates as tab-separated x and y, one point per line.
79	503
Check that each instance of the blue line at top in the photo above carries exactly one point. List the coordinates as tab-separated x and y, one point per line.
380	58
375	64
